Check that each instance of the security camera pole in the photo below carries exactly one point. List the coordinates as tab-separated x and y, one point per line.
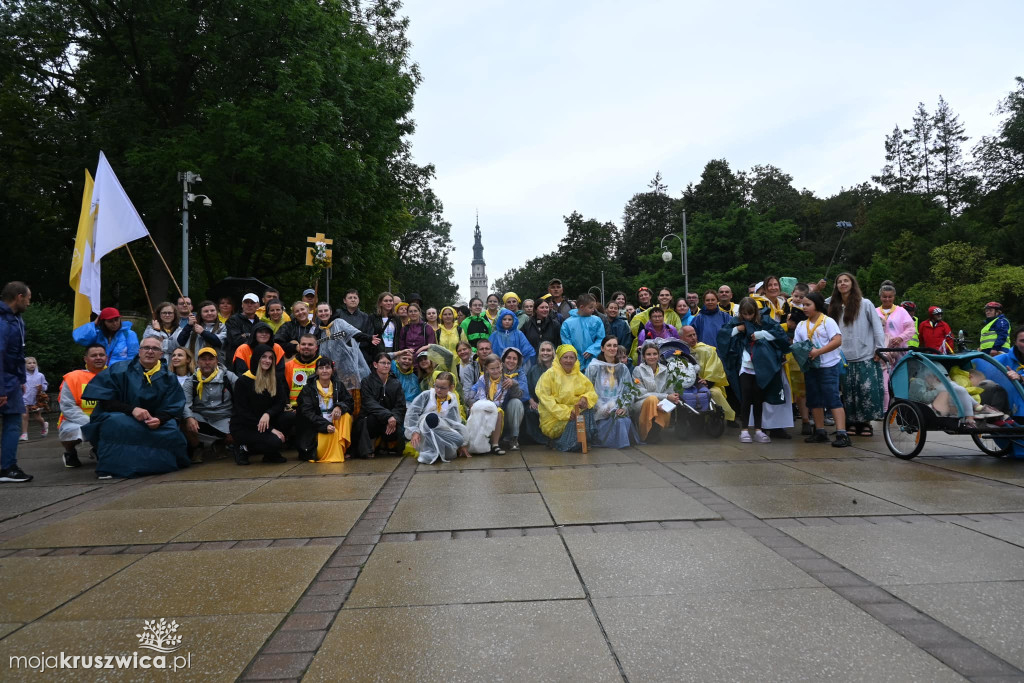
187	178
666	256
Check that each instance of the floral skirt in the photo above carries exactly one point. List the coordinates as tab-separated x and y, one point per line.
861	390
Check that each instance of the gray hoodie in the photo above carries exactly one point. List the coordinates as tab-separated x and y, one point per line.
864	335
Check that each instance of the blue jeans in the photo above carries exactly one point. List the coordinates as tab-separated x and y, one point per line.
9	440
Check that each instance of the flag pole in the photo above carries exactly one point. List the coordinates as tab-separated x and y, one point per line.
149	302
176	286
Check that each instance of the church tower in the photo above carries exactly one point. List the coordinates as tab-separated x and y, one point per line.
478	275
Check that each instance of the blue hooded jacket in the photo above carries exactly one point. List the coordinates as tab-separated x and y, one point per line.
124	346
12	359
584	333
501	338
707	325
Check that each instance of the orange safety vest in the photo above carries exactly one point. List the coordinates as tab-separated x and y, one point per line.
245	353
76	381
297	374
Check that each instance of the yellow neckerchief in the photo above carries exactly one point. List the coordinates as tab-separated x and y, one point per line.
248	373
325	392
885	314
810	331
148	374
492	387
610	369
440	404
199	377
773	306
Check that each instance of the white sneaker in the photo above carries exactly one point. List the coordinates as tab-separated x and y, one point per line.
745	436
987	412
46	429
761	437
23	437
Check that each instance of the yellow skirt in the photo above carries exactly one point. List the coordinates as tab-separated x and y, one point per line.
332	447
650	412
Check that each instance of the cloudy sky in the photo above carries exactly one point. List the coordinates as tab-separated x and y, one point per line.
531	110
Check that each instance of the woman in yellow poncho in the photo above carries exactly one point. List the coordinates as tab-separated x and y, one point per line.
563	392
448	332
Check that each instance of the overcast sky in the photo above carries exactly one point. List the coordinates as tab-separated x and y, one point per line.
531	110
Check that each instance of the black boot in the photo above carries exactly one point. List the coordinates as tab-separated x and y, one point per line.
241	457
654	436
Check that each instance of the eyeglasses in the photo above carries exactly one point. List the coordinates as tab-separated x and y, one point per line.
150	348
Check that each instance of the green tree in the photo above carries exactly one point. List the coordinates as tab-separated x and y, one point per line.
952	180
719	188
923	131
770	189
645	219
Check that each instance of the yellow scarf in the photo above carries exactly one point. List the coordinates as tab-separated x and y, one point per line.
148	374
492	387
812	330
610	370
325	392
886	314
248	373
199	377
440	405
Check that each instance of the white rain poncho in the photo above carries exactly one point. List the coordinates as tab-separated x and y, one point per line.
483	416
442	434
349	364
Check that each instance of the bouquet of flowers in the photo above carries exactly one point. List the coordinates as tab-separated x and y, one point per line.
631	392
321	260
682	372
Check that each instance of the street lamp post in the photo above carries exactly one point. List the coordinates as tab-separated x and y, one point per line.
666	256
187	178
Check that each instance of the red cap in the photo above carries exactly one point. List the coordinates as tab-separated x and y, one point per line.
994	304
109	313
932	310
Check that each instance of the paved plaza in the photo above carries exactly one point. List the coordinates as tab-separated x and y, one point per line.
707	560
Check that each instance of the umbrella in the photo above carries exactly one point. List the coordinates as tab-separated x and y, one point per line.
236	288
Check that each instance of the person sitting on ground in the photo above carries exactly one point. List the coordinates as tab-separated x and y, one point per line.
258	419
36	400
542	326
181	365
324	424
416	333
262	335
583	330
545	357
657	328
476	326
468	369
712	372
652	376
165	329
507	335
563	394
502	397
292	331
612	426
709	320
205	332
240	325
74	410
275	315
301	369
404	371
116	336
206	418
382	415
433	423
134	425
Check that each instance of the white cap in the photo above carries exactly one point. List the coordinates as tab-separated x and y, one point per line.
251	297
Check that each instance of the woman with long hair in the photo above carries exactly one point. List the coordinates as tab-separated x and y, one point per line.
652	376
385	322
898	327
416	333
491	311
430	315
861	386
324	427
165	329
542	326
182	365
753	348
258	423
612	425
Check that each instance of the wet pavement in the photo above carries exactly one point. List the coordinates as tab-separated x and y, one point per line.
705	560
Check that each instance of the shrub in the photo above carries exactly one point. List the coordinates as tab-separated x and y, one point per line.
48	338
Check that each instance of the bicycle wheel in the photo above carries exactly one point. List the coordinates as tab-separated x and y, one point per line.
990	445
904	430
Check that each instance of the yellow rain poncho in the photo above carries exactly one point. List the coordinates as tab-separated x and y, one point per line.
559	391
712	370
449	338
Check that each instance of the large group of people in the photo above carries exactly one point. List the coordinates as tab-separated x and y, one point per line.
441	382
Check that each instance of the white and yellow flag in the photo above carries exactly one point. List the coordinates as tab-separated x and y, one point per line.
108	220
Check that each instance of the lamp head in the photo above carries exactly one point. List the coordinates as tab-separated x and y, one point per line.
666	256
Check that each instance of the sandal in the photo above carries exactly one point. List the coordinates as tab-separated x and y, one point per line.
866	430
497	450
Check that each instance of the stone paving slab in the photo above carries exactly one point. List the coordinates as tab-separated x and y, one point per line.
1009	470
219	647
669	562
597	456
948	497
351	466
32	586
306	489
807	500
114	527
1003	529
227	469
624	505
527	641
202	583
450	512
893	555
771	635
874	469
185	494
465	571
681	451
278	520
470	483
744	474
511	460
17	501
988	613
595	479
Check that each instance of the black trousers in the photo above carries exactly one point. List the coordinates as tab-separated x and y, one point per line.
751	396
265	443
367	428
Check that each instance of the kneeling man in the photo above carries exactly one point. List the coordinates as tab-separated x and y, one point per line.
133	426
74	410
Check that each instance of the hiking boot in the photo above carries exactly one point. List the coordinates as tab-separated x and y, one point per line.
807	429
70	459
817	437
241	457
842	441
14	475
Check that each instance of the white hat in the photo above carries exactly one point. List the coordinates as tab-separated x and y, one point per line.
251	297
